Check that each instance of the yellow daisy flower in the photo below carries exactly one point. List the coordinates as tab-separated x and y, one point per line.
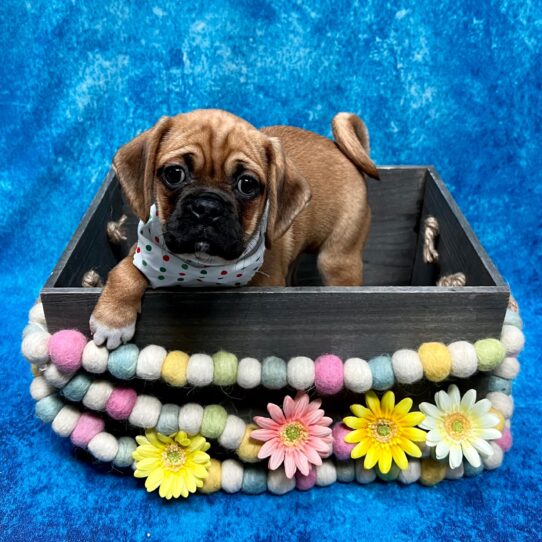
384	432
177	464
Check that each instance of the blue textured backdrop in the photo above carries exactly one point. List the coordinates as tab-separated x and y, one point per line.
454	83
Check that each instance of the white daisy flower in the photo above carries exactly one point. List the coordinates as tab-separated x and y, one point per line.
459	427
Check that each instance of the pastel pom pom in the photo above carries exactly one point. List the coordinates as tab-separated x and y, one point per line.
328	374
66	349
341	448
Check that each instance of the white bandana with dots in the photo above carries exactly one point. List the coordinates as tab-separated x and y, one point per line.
163	268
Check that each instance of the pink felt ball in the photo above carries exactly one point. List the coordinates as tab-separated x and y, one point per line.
121	403
305	482
341	449
66	349
86	429
328	374
505	442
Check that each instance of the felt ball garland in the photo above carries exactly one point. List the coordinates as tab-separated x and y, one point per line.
69	371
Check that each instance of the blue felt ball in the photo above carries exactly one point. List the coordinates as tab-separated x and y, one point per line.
77	387
496	383
122	362
48	407
470	471
254	481
382	371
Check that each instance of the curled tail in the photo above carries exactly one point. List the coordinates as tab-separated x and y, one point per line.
352	138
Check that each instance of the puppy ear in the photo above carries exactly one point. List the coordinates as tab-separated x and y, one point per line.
134	165
288	192
352	138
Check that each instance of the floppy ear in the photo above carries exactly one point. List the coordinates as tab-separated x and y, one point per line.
134	165
288	192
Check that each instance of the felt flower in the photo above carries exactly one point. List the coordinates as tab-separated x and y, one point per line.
297	435
177	464
460	427
384	432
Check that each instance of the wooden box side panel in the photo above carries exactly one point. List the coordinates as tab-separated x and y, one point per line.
360	322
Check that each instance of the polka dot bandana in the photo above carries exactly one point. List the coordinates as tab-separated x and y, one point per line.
163	268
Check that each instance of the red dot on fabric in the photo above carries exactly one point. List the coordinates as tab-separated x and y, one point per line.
239	275
138	250
223	272
165	258
182	274
157	239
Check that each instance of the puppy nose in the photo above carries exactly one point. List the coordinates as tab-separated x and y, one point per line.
207	208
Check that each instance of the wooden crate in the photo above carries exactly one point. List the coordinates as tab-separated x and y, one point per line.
399	306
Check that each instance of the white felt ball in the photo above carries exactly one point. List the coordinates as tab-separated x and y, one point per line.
407	366
190	418
249	373
35	347
464	359
412	473
513	340
95	358
150	361
146	412
103	447
455	474
301	373
426	450
98	394
233	433
278	483
65	421
508	369
364	476
326	474
494	461
357	375
346	471
231	476
502	402
199	371
55	377
36	315
40	388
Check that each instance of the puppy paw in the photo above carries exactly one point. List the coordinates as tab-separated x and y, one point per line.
112	337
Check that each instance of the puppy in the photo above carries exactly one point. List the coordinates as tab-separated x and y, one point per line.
232	200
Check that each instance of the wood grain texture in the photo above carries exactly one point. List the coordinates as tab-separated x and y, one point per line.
458	247
310	320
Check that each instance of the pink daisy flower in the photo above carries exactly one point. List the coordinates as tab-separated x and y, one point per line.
298	435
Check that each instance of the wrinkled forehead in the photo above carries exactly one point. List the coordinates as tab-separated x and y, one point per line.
214	145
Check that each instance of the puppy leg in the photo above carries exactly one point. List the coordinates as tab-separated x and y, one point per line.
114	317
273	271
340	260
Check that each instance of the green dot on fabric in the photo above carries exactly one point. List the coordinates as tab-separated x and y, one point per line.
148	247
163	269
161	277
143	262
203	272
184	266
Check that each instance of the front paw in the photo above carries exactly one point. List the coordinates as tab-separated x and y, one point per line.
111	336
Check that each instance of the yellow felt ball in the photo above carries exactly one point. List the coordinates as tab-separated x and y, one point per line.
249	447
432	471
436	361
498	413
211	484
35	370
174	368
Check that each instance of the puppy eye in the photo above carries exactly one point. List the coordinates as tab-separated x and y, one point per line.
248	186
173	175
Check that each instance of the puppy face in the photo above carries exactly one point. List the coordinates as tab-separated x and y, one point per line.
211	174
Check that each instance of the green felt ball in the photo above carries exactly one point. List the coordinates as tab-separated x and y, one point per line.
214	421
225	369
490	353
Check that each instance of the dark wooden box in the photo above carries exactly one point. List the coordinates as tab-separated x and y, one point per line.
399	306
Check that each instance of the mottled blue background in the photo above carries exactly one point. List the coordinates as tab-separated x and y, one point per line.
453	83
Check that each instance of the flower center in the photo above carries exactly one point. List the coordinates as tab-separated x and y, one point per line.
293	433
173	457
384	430
457	426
